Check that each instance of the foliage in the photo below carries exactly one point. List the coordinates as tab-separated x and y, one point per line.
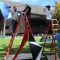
57	11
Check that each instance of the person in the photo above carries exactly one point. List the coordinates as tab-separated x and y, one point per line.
48	14
57	37
28	11
14	18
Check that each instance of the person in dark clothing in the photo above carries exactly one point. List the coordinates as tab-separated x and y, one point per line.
1	21
28	11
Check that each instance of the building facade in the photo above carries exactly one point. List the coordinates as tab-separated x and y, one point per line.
37	20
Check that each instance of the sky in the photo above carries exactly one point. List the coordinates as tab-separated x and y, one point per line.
37	2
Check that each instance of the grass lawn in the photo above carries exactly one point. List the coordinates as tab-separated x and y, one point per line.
4	42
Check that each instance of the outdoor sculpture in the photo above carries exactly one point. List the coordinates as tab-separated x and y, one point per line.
36	49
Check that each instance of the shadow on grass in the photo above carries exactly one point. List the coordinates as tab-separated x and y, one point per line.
25	49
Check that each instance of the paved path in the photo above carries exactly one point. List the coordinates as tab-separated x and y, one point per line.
21	56
28	56
52	57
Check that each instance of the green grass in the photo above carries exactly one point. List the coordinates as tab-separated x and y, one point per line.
4	42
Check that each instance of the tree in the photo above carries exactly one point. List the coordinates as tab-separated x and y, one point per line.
57	11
